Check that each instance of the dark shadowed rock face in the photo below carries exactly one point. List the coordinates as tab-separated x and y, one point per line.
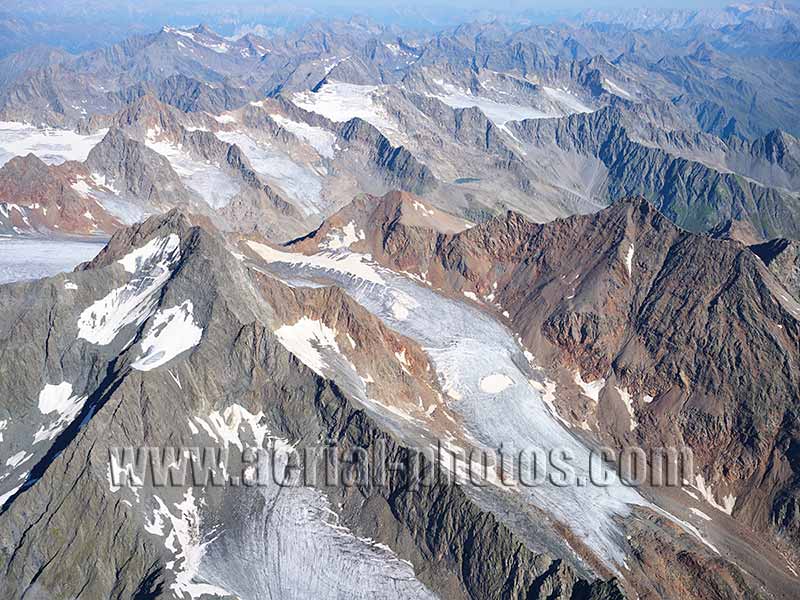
166	339
783	259
397	166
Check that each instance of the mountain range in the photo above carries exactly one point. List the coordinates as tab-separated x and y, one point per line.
414	246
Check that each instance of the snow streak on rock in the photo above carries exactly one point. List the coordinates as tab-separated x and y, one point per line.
134	302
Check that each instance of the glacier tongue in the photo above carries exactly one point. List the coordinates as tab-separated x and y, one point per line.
467	347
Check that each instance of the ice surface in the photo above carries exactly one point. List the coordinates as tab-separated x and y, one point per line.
321	140
256	542
188	544
22	259
284	527
300	183
498	113
495	383
209	180
53	146
341	102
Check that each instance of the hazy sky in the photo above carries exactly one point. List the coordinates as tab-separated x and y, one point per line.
79	25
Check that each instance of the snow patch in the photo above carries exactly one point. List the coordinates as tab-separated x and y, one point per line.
17	459
171	332
7	496
628	401
58	399
629	260
728	502
305	338
81	187
342	238
224	119
700	514
590	389
155	247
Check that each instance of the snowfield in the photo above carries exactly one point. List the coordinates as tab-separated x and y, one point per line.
53	146
341	102
300	183
135	301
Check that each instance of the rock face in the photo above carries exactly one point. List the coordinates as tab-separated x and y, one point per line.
398	166
36	198
383	250
783	259
164	340
672	172
134	169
